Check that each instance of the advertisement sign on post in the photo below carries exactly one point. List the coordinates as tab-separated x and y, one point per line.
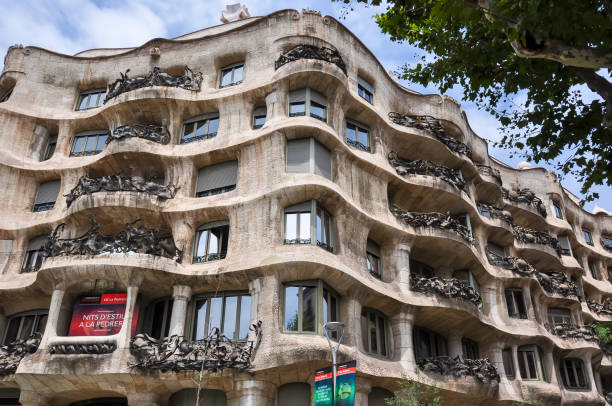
100	315
345	385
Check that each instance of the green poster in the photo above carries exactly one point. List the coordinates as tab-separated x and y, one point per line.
345	385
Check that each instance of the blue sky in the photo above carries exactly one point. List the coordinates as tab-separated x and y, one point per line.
70	26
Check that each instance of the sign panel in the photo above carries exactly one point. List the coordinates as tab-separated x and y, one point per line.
100	315
345	385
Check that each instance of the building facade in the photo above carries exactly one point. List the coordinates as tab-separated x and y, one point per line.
191	212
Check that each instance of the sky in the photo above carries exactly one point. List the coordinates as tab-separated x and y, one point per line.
71	26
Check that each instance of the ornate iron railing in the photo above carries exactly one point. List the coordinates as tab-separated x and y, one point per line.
119	183
215	353
525	196
435	220
450	288
488	171
495	212
601	308
433	126
298	241
12	354
358	145
133	239
558	283
481	369
209	257
569	331
43	207
304	51
530	236
216	191
151	132
451	176
514	264
70	349
190	80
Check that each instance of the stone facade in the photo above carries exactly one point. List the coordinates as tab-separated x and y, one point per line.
444	265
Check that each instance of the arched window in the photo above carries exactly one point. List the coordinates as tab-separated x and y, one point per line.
307	102
378	397
208	397
211	242
358	135
89	143
90	99
573	373
429	344
157	320
228	311
530	362
308	305
200	128
23	325
374	332
306	219
294	394
34	255
231	75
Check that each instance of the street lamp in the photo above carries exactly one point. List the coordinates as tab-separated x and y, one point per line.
338	328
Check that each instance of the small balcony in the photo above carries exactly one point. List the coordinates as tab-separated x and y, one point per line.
525	197
530	236
405	167
12	353
481	369
441	221
450	288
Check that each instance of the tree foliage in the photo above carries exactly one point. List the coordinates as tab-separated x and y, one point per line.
414	393
544	51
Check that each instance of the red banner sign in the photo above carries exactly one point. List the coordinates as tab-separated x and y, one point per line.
100	315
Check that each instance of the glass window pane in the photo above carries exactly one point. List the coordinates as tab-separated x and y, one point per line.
168	316
27	327
351	133
188	131
580	374
305	226
30	260
200	129
158	318
84	99
12	330
201	250
215	317
327	229
297	109
229	322
291	226
245	317
317	110
521	361
200	319
364	331
372	327
570	373
381	332
291	308
78	144
226	77
259	121
325	306
364	138
334	306
42	323
101	142
238	73
309	308
213	126
320	232
214	241
91	143
531	364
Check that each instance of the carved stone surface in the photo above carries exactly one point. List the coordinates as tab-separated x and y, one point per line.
514	264
190	80
496	212
304	51
133	239
569	331
535	237
151	132
119	183
481	369
558	283
451	288
101	348
488	171
527	197
12	354
433	126
601	308
435	220
404	167
215	353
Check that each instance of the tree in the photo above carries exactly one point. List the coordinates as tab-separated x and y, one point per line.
543	50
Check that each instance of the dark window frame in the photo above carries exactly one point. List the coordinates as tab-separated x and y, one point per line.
531	371
508	361
380	324
575	367
100	135
88	95
232	68
363	91
258	115
307	103
151	315
316	211
196	123
470	348
373	260
560	316
192	325
223	227
357	127
519	307
437	344
324	294
588	236
557	210
38	325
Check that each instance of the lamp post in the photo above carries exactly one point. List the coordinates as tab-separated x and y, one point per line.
331	327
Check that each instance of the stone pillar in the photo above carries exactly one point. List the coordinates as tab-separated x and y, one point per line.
143	399
53	317
517	372
252	393
401	328
598	383
454	343
363	387
488	292
181	295
30	398
497	359
255	290
527	298
401	257
549	365
351	316
589	367
125	334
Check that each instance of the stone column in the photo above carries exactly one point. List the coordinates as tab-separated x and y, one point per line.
143	399
125	334
351	316
454	343
252	392
53	317
589	367
497	359
255	290
181	295
363	387
30	398
527	298
517	372
401	328
488	292
401	257
549	365
598	383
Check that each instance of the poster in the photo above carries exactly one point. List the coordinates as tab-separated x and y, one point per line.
345	385
100	315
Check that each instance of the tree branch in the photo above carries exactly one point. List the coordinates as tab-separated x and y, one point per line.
567	55
601	86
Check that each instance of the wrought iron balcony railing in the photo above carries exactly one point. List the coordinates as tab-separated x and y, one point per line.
517	265
604	308
435	220
570	331
530	236
304	51
527	197
12	354
488	171
155	133
481	369
404	167
451	288
489	210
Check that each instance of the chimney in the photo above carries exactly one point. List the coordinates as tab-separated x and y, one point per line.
234	12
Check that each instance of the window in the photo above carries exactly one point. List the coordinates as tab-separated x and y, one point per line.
587	236
373	258
508	362
34	255
308	306
200	128
6	95
91	99
483	210
231	75
573	373
306	219
610	273
560	316
211	242
50	148
516	303
229	312
157	322
365	90
566	249
374	332
23	325
467	276
530	362
89	143
606	242
420	269
216	179
557	210
593	270
470	349
307	102
46	195
429	344
259	117
357	135
496	249
295	394
307	155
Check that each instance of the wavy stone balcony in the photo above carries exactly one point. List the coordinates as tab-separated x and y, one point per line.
450	288
405	167
488	171
12	354
440	221
489	210
527	197
530	236
481	369
304	51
